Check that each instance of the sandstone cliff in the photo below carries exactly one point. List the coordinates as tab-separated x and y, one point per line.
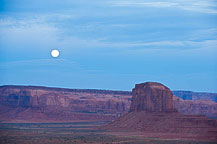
189	95
22	101
145	116
196	107
152	97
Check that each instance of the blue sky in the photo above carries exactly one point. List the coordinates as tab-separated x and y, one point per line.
109	44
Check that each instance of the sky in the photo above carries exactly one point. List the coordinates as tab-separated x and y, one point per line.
109	44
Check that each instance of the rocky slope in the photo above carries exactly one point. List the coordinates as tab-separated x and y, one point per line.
22	101
145	116
104	101
61	104
189	95
196	107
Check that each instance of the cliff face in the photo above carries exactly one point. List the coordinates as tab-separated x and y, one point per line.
25	100
152	97
152	112
196	107
26	97
189	95
56	100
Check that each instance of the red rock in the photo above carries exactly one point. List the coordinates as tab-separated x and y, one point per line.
152	97
152	111
83	101
26	102
196	107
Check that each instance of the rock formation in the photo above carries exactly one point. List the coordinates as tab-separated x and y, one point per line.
26	102
189	95
21	102
196	107
152	111
152	97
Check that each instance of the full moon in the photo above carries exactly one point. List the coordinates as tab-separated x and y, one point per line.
55	53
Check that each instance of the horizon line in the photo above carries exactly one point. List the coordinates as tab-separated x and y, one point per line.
98	89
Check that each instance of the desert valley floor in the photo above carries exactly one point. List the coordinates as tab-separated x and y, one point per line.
81	132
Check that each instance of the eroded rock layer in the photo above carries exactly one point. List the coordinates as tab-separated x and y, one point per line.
37	102
152	97
43	103
152	111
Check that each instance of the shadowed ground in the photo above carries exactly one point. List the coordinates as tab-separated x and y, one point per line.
76	132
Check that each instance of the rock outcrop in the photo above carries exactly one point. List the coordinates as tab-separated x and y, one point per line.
152	111
152	97
189	95
23	101
196	107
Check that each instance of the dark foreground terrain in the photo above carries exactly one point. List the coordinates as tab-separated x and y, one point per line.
77	132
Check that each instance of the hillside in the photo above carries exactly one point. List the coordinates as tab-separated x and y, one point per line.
37	102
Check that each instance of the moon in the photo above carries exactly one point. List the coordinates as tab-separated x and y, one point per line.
55	53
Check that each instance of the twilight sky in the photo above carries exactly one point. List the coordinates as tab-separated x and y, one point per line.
109	44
